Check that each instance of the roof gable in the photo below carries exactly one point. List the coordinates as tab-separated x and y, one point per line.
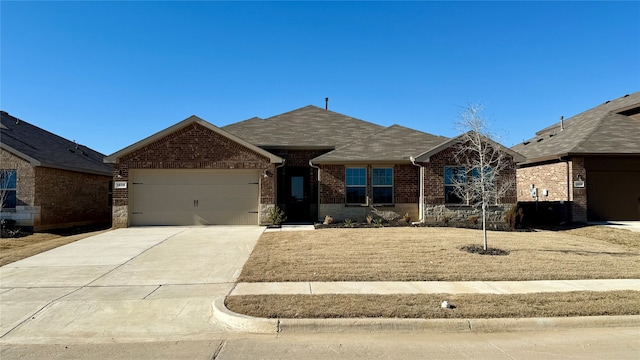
425	157
43	148
308	127
610	128
113	158
393	144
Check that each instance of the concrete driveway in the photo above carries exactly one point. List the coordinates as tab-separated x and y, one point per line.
125	285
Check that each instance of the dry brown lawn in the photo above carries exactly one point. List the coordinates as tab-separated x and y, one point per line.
14	249
432	254
427	306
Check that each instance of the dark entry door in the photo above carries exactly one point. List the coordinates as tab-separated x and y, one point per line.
293	195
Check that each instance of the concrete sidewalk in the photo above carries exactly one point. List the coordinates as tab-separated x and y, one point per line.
434	287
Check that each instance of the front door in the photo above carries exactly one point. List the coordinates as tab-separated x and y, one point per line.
293	193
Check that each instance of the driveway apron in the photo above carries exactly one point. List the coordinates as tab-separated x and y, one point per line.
135	284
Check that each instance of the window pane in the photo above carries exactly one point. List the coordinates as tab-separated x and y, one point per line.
383	176
382	195
454	174
9	200
8	179
356	176
450	197
356	195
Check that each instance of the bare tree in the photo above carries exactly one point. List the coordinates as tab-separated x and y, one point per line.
480	178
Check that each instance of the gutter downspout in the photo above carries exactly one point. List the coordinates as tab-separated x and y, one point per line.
569	205
421	204
317	190
275	182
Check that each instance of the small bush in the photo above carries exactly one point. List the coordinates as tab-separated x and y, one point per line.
348	223
514	217
276	216
406	218
328	220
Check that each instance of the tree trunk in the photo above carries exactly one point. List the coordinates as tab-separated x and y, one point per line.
484	224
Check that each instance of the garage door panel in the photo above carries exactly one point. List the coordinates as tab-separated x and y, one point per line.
194	197
613	195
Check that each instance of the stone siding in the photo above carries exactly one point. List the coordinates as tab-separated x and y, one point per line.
339	212
444	213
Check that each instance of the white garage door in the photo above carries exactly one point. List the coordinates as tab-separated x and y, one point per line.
193	197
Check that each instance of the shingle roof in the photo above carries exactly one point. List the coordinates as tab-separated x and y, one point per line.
392	144
42	148
601	130
307	127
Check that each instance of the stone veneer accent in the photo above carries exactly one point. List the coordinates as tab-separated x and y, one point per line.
339	212
441	213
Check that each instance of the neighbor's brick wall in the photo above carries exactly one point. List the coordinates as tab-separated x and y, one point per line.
192	147
25	213
557	177
70	198
579	203
550	176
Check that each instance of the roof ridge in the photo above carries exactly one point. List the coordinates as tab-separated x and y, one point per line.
290	111
593	131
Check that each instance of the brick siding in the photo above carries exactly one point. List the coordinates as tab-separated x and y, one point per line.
70	198
25	212
191	147
552	177
52	198
557	178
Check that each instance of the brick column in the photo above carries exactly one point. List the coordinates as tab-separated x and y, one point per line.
579	203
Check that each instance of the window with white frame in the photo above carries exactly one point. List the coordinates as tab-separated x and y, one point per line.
8	188
454	178
382	181
356	184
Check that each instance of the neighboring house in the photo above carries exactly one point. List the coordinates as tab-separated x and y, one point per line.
310	162
50	182
589	163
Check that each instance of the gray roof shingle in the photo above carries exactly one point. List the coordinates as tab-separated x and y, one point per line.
600	130
392	144
49	150
307	127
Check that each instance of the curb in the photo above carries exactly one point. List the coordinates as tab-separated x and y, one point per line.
244	323
239	322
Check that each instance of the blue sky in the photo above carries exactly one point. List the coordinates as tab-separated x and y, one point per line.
108	74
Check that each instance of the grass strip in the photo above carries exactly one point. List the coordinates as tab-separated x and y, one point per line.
427	306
